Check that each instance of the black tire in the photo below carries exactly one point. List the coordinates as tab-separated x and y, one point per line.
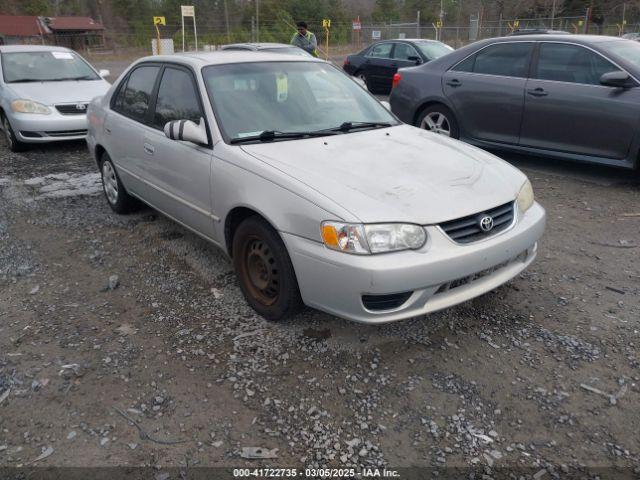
10	139
117	197
265	273
439	109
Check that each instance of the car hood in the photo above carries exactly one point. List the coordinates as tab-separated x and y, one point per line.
398	174
51	93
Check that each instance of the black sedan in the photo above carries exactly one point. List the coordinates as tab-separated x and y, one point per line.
574	97
377	63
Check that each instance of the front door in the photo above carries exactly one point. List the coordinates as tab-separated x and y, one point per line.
568	110
487	91
378	67
179	173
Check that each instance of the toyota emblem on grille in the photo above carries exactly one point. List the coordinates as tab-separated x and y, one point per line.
486	223
81	106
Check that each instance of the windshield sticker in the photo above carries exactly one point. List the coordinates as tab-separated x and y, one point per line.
62	55
282	83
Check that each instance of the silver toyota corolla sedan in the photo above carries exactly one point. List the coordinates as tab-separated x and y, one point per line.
314	189
44	93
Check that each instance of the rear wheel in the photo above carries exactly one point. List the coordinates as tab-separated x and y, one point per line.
439	119
264	269
117	197
10	139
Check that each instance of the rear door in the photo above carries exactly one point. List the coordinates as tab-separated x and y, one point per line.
567	109
379	66
487	91
125	126
178	173
405	55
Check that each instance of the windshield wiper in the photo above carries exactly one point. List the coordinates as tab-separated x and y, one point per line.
25	80
348	126
65	79
271	135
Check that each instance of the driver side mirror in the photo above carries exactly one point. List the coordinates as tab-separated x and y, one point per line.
104	73
187	131
416	60
617	79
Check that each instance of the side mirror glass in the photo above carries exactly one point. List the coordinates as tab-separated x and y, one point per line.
187	131
104	73
416	60
386	105
617	79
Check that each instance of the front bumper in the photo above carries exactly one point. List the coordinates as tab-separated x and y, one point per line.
31	128
439	275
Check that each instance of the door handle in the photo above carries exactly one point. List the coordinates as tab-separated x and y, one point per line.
107	130
148	149
454	83
538	92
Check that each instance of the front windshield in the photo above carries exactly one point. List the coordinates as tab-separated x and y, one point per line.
433	50
628	51
45	66
251	98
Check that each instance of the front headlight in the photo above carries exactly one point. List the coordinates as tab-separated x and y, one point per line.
525	197
373	238
29	106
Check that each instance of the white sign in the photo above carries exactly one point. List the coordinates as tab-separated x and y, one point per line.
188	10
357	26
402	36
376	35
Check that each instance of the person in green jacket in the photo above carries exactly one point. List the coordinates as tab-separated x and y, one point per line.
305	39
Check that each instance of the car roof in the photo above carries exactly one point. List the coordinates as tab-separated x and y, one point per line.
581	39
221	57
258	46
32	48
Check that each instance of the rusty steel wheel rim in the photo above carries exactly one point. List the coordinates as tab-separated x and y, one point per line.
260	271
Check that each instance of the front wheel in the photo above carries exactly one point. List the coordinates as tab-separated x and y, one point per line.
439	119
267	279
11	141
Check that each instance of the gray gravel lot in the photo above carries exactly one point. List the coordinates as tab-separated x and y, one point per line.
103	315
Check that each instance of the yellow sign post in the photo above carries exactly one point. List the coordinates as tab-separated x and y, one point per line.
159	21
326	24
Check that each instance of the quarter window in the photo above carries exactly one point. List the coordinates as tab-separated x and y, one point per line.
503	59
571	63
382	50
177	98
133	99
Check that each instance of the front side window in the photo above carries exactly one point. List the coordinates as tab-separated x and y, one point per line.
382	50
502	59
134	97
571	63
404	51
45	66
177	98
251	98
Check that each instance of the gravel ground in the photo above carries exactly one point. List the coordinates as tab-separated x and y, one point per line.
106	319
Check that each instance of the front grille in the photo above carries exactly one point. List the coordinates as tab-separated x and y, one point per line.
385	302
72	109
468	229
66	133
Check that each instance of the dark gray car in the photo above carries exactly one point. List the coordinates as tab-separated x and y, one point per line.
574	97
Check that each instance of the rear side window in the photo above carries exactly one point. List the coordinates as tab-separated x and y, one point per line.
133	98
502	59
382	50
177	98
571	63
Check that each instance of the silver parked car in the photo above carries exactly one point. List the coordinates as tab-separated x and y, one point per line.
319	195
44	93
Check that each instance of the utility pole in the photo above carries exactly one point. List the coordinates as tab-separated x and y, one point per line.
441	20
553	13
257	21
253	29
418	25
226	20
624	16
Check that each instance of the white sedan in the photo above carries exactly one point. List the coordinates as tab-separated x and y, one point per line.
315	190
